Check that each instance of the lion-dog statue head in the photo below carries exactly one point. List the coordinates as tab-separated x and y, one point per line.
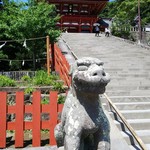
88	75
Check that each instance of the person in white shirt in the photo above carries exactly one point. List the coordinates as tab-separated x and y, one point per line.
107	32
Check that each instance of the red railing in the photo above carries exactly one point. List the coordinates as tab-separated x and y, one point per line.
19	125
62	66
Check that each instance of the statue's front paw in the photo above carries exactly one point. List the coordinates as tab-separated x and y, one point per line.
103	145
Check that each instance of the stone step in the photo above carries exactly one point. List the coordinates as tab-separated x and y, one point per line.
140	124
133	114
119	99
140	92
132	106
136	147
136	114
143	134
115	78
119	87
126	92
137	124
127	87
129	73
133	69
148	146
117	93
125	83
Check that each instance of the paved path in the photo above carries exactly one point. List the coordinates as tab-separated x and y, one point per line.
128	64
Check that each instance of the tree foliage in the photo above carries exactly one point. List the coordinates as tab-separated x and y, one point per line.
124	14
20	21
125	11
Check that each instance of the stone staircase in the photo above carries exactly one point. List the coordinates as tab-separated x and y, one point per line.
129	89
137	112
130	93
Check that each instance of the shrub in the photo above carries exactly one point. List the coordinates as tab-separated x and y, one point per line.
53	76
121	33
42	78
45	101
26	78
29	90
61	99
58	86
6	81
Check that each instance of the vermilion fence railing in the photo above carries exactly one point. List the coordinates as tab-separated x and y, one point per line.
19	125
62	66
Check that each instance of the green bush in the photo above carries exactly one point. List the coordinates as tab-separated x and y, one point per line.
121	33
45	101
6	81
61	99
26	78
58	86
54	77
29	90
42	78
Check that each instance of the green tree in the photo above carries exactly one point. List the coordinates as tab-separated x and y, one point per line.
23	21
125	11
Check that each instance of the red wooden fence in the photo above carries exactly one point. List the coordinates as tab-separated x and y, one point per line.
62	66
36	125
36	109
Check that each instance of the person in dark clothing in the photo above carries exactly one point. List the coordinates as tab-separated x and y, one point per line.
97	29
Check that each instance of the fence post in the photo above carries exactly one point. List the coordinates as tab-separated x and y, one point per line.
36	119
52	56
3	108
19	123
48	54
53	115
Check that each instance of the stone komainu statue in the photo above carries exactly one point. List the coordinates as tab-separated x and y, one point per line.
84	126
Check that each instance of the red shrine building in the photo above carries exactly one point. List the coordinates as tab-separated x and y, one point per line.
78	15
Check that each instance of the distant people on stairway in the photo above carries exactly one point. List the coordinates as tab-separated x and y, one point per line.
107	32
97	30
